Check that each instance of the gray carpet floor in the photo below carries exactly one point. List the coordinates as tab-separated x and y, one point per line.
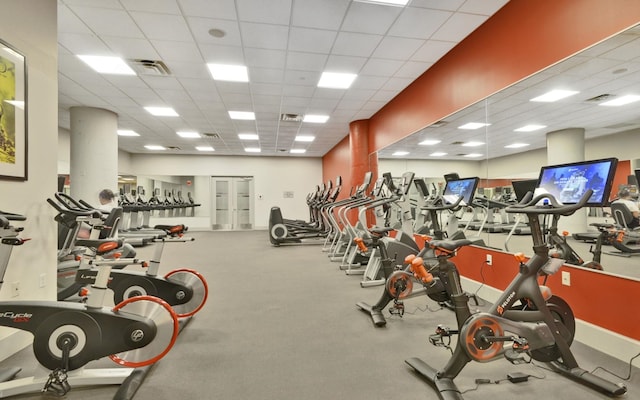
281	323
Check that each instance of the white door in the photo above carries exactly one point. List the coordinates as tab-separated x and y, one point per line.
231	202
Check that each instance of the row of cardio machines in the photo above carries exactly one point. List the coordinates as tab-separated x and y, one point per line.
137	210
536	324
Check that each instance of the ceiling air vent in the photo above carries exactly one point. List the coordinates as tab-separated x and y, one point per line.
211	135
458	142
291	117
173	148
150	67
600	98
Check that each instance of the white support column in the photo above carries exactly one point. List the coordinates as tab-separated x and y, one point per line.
567	146
94	152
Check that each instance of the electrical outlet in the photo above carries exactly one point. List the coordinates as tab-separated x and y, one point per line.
566	278
42	282
15	289
489	259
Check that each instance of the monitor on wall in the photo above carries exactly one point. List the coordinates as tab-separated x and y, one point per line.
568	182
521	188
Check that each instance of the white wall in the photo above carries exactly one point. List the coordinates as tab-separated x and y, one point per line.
30	27
272	177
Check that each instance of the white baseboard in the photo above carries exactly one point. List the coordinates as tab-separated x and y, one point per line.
596	337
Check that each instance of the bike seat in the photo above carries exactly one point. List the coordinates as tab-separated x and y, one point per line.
450	245
380	231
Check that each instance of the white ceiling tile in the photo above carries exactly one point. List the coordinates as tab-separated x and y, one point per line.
319	14
397	84
131	48
266	88
177	51
222	54
301	77
80	44
396	48
223	9
356	44
306	61
298	91
115	4
266	75
269	12
458	26
103	21
369	18
449	5
200	28
311	40
381	67
265	58
188	70
419	23
264	36
345	63
154	26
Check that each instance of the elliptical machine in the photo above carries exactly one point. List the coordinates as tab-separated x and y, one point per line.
135	333
526	314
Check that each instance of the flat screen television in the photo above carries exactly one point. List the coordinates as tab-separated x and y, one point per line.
465	187
568	182
637	174
521	188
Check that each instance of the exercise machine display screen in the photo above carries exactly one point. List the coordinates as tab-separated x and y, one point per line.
521	188
568	182
464	188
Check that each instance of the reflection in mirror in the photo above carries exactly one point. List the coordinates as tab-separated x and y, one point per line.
600	82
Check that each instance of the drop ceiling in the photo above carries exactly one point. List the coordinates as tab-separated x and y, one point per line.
286	45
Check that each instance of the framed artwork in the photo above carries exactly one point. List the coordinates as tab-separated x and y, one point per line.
13	114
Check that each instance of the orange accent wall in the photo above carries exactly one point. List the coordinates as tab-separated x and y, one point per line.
597	298
337	162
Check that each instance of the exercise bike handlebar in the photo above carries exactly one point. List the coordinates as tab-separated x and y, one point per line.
74	212
12	217
440	204
531	204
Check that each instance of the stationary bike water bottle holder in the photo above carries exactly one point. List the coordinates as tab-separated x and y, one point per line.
433	280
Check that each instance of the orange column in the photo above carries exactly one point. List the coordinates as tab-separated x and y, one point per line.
360	160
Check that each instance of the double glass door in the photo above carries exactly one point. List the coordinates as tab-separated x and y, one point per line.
232	202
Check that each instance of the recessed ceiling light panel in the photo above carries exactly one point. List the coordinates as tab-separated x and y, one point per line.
336	80
231	73
400	153
162	111
244	115
622	100
438	154
127	132
429	142
248	136
516	145
108	65
554	95
154	147
188	134
204	148
316	119
304	138
473	125
297	151
472	144
530	128
252	149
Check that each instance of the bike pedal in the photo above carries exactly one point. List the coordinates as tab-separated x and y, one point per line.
514	357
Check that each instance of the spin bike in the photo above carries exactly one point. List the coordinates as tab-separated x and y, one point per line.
184	289
399	279
66	336
527	315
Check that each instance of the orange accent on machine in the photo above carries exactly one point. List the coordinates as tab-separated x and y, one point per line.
360	242
419	271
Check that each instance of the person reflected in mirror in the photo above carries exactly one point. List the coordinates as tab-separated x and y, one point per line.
624	197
